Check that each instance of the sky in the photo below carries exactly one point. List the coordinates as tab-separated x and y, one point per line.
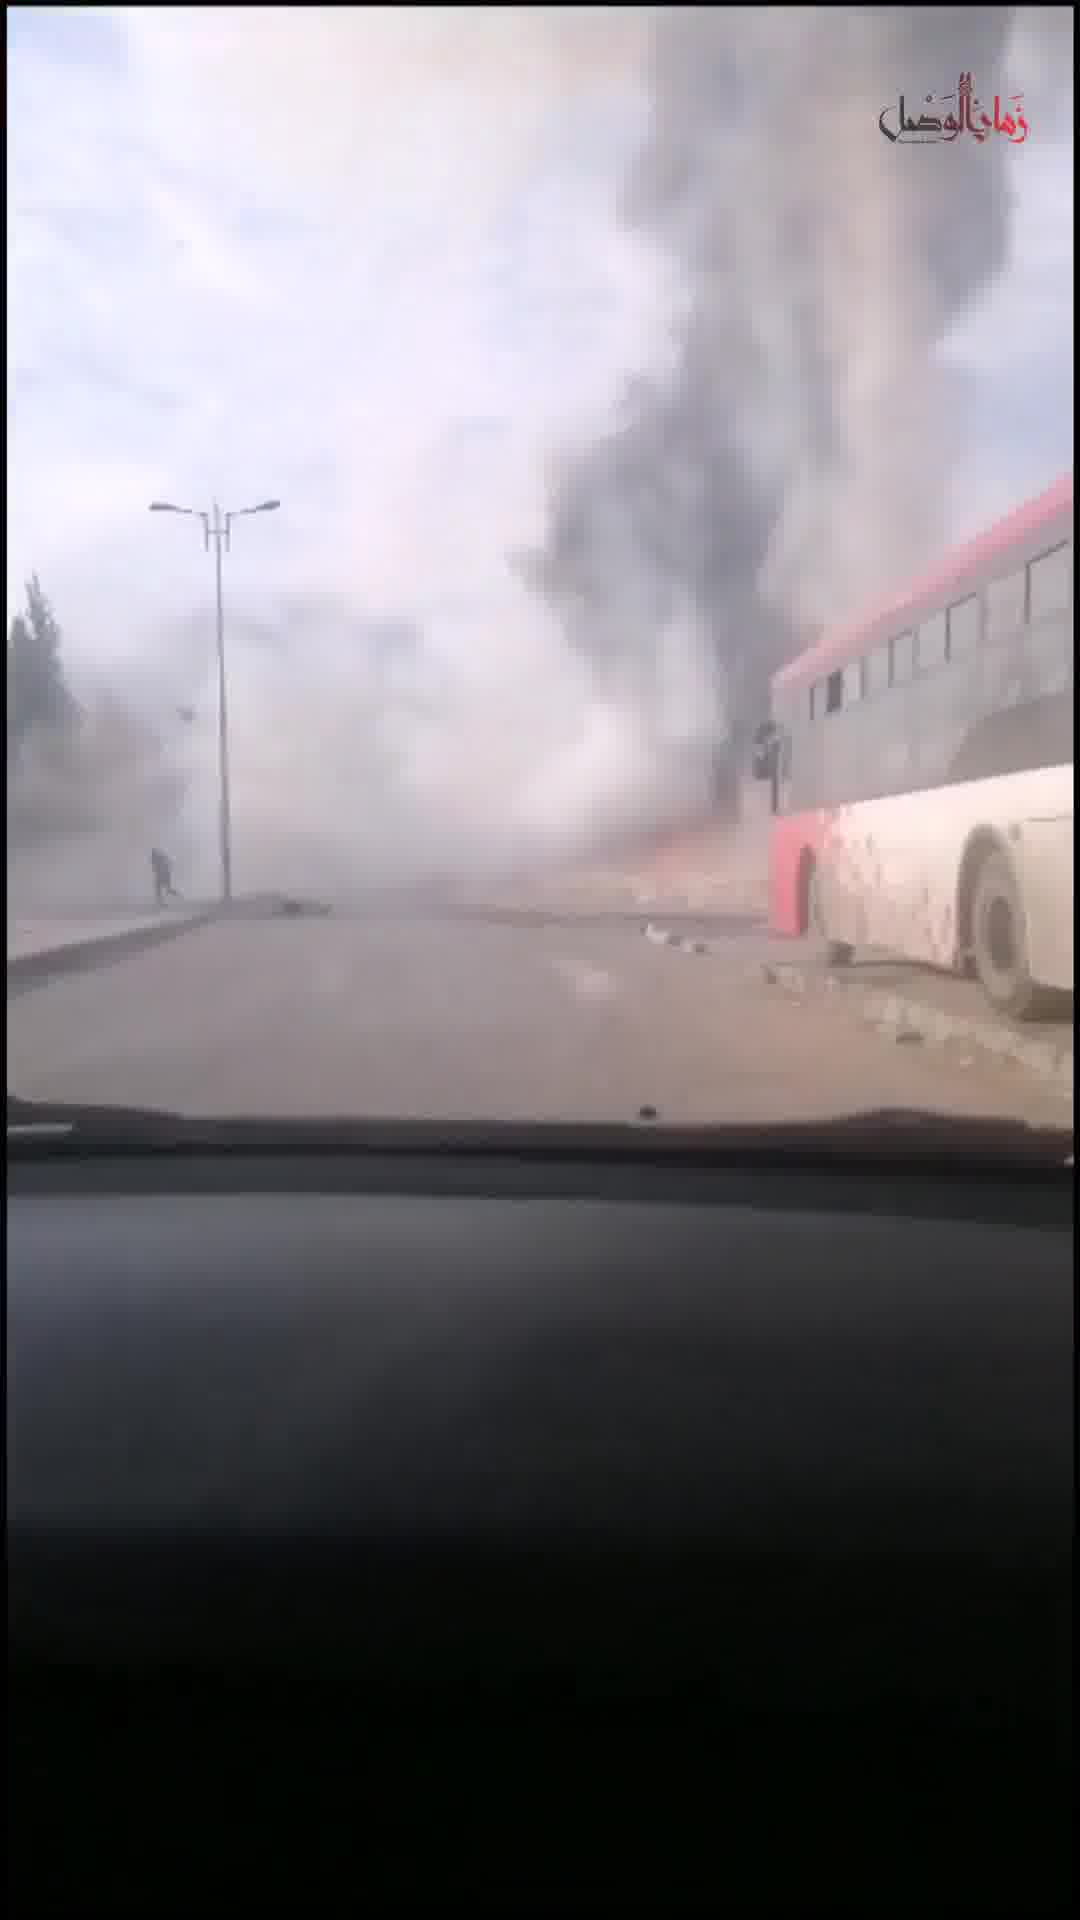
365	262
370	262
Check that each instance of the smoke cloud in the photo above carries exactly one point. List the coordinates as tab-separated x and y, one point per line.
797	462
85	803
785	461
375	755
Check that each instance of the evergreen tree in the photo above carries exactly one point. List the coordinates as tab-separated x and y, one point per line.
38	694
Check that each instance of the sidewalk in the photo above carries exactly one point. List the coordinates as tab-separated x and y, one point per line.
40	946
906	1003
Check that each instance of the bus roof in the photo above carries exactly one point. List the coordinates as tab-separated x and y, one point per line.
963	563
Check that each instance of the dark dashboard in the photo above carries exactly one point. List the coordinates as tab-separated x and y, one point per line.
564	1533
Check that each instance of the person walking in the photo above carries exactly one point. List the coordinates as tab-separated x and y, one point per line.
161	867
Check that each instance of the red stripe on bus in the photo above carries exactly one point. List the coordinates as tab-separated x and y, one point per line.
950	574
796	839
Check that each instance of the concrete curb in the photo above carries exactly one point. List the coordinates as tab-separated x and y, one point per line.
906	1020
35	969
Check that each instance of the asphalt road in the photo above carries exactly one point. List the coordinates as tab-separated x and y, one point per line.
472	1018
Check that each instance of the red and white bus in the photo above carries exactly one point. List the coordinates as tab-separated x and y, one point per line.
921	764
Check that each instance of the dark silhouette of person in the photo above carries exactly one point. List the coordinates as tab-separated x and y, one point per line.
161	866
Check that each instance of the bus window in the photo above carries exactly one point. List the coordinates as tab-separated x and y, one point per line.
901	659
1005	605
932	642
876	678
834	688
853	683
1050	579
963	628
1049	656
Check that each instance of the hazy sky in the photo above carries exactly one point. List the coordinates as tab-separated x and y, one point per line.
369	262
364	261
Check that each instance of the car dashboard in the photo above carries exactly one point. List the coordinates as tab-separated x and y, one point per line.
561	1533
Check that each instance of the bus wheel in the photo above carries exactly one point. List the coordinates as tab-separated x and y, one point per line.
999	940
837	952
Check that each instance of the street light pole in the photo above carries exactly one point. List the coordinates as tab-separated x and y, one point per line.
217	534
217	528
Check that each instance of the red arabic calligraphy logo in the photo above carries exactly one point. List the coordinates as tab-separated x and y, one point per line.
931	129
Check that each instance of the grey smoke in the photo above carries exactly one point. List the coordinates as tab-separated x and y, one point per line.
86	803
327	706
796	462
793	460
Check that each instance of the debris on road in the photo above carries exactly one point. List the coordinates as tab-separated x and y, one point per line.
276	906
291	909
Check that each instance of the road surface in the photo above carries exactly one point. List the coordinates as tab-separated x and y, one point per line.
474	1018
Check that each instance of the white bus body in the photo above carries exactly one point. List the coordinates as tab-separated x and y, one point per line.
900	873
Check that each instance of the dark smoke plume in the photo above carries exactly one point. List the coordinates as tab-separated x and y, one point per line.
796	462
792	464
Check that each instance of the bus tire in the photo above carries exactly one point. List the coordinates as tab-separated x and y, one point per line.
999	939
838	953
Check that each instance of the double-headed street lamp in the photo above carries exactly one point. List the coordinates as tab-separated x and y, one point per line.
216	527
